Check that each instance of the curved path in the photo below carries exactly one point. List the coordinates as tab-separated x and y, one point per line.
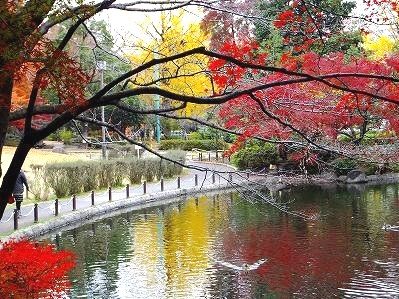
83	201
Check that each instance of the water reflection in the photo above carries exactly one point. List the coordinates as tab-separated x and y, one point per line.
204	248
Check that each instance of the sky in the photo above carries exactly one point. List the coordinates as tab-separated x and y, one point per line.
129	27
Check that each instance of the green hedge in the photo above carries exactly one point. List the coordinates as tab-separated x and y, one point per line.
255	156
188	145
344	165
74	177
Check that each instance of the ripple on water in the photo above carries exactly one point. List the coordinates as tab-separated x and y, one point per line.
369	286
199	249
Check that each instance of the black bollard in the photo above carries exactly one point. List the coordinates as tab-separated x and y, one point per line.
36	214
56	207
127	191
92	198
144	187
109	194
73	203
15	219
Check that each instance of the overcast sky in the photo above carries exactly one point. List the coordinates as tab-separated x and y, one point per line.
126	26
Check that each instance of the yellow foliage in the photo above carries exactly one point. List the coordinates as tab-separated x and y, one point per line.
187	76
378	47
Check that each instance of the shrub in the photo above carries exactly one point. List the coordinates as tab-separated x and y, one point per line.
120	173
71	178
74	173
150	169
135	170
12	140
393	167
90	176
66	136
188	145
343	165
38	186
369	168
255	156
57	179
179	156
106	173
195	136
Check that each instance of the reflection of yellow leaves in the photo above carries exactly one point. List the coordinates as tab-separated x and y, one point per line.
183	76
146	246
378	47
187	236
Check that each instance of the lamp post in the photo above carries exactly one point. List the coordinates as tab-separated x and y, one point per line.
101	66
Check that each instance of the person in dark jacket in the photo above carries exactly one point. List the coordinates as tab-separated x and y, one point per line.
18	191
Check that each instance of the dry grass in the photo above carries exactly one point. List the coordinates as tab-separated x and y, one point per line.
41	157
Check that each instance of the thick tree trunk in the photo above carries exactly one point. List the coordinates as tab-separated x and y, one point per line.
6	84
11	175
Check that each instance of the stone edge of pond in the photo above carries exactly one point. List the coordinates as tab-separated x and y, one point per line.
109	209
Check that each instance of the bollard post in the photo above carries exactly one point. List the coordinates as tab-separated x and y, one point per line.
247	175
178	182
73	203
209	156
36	213
217	156
144	187
109	194
92	197
199	156
15	219
162	186
213	178
56	207
196	179
127	191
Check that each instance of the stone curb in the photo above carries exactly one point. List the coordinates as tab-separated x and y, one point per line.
109	209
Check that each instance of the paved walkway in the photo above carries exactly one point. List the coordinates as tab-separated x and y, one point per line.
46	209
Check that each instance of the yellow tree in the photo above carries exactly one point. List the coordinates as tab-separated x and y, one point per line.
378	47
172	34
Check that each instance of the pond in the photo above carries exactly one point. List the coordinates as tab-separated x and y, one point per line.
226	246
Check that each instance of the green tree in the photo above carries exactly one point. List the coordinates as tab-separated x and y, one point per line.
294	25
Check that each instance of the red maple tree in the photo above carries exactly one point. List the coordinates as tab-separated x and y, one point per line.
33	270
340	94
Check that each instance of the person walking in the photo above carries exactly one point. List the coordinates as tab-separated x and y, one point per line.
18	191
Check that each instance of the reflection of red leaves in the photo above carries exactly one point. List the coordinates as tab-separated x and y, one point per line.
295	256
31	270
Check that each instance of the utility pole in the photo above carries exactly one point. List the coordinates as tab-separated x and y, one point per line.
101	66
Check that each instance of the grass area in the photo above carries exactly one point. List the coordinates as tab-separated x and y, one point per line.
42	157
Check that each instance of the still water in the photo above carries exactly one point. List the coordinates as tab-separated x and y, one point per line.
228	247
